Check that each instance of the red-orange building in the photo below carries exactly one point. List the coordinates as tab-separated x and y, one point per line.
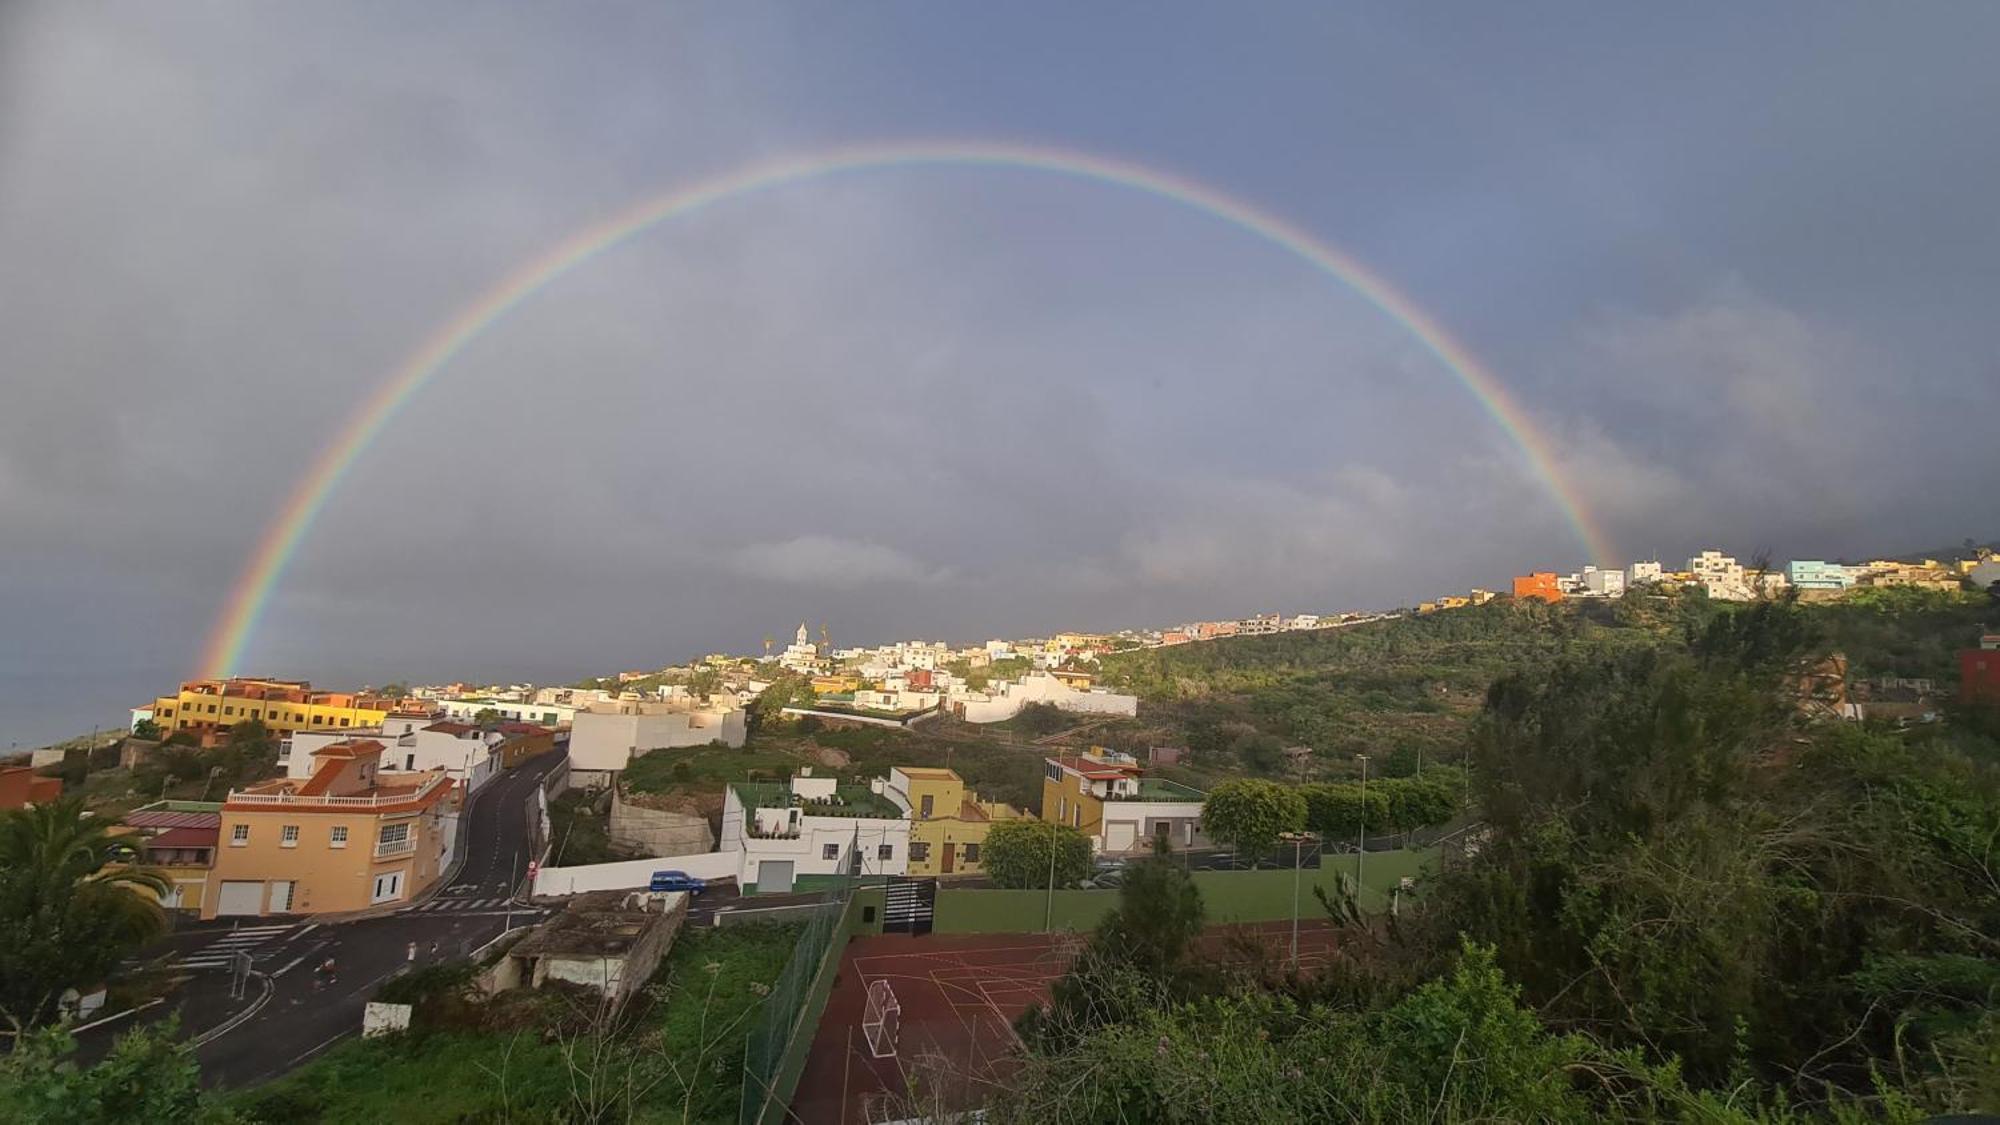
19	788
1541	584
1979	671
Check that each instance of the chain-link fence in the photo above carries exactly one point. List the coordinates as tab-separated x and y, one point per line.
776	1050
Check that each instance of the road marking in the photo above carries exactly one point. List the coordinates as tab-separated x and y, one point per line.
310	927
290	965
311	1051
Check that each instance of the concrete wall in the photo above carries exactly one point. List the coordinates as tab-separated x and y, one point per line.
657	832
631	873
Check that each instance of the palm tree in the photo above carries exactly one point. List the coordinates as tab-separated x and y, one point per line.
72	903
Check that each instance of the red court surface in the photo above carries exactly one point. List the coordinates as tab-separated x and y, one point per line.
960	995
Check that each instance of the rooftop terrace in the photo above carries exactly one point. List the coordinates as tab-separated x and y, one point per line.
849	800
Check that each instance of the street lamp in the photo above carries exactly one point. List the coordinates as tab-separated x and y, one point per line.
1361	853
1298	842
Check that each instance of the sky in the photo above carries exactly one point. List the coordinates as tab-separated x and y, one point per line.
1736	265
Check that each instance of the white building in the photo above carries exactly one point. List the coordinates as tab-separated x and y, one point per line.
801	655
813	826
1603	583
411	744
544	714
1004	701
606	737
1643	572
1720	575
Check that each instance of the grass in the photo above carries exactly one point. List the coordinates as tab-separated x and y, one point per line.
1230	896
706	768
688	1033
582	834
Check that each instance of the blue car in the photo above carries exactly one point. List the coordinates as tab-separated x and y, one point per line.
677	881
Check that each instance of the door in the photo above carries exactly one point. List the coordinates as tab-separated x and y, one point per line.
240	896
388	887
950	856
774	876
281	896
1120	835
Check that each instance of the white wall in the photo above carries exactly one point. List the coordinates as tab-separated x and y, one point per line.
609	741
1008	699
632	873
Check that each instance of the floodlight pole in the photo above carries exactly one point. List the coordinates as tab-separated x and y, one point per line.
1049	915
1361	853
1298	841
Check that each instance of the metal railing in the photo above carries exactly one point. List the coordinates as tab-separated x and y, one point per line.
240	797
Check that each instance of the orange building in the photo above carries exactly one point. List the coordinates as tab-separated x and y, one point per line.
347	838
1541	584
19	788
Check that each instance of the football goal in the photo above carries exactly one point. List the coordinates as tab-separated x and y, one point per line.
880	1019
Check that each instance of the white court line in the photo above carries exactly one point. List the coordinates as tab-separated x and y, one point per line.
289	966
309	928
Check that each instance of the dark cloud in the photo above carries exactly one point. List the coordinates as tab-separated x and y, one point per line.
1736	265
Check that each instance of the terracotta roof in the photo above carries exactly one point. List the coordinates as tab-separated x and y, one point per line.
351	748
143	818
187	837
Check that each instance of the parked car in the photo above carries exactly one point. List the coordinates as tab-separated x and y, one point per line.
676	881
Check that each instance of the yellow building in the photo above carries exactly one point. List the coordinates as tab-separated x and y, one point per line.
948	822
1453	601
208	708
1105	795
835	685
346	838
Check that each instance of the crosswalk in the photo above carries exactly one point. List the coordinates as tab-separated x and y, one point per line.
459	905
219	953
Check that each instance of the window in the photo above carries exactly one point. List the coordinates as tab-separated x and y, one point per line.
886	852
211	708
226	710
337	837
919	851
288	836
1062	807
1054	771
972	853
239	835
394	833
343	722
830	851
925	814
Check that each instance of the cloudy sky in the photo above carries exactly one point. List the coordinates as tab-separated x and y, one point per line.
1739	267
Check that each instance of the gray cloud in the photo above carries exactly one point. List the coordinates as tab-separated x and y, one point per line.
1749	302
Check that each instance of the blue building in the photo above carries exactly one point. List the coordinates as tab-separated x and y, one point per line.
1811	574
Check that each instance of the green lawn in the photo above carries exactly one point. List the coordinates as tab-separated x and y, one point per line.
1230	896
705	768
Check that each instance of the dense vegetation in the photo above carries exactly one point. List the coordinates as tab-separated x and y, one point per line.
71	906
1688	900
674	1055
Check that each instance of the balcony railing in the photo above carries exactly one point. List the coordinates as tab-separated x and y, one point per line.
377	801
404	846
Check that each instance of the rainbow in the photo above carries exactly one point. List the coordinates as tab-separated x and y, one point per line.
252	591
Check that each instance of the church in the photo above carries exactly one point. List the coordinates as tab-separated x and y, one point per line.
801	655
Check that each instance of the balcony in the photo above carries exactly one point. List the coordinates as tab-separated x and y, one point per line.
386	849
379	800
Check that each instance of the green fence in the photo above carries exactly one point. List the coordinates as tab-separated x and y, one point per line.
1229	896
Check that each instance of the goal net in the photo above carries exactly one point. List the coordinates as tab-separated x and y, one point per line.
880	1019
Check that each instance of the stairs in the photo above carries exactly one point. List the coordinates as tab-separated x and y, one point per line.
909	905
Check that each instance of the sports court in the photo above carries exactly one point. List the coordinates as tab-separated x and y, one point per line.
954	998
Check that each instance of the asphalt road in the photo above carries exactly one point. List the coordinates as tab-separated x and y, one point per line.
304	1015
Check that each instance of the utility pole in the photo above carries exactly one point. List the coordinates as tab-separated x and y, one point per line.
1049	915
1298	841
1361	853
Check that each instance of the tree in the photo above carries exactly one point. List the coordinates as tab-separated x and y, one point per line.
146	729
1159	914
149	1075
1250	814
397	690
1017	853
704	682
71	906
485	716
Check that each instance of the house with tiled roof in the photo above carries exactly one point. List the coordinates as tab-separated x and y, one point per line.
1108	797
350	836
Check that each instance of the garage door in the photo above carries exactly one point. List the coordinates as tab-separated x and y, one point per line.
774	876
240	897
1120	835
